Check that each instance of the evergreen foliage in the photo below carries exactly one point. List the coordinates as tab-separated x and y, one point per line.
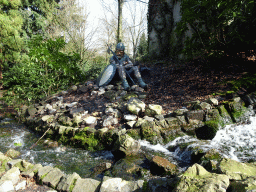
44	72
143	47
218	26
34	58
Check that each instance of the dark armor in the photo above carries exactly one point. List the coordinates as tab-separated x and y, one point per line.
127	66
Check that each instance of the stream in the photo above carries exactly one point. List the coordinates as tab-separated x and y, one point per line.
237	142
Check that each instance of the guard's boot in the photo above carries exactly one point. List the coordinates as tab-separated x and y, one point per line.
142	83
125	84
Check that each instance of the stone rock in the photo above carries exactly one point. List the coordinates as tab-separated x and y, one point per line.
152	110
130	117
77	120
100	168
82	89
109	121
48	118
88	185
208	131
161	166
42	171
53	178
101	91
120	185
195	115
71	105
12	175
236	170
191	104
150	119
14	162
112	112
31	111
179	112
30	173
238	111
6	186
21	185
248	184
162	184
111	95
12	153
196	178
125	146
75	111
139	122
139	89
225	117
212	101
205	106
65	120
73	88
67	181
131	123
109	87
151	132
135	106
90	120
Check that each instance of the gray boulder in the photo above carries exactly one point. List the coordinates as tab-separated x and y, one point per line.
120	185
88	185
125	146
196	178
135	106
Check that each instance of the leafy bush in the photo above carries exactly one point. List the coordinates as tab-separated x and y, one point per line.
45	71
218	26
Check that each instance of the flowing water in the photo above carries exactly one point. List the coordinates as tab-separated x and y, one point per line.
237	142
18	137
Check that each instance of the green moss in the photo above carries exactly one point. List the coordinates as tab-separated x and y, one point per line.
88	142
145	186
129	96
134	133
72	185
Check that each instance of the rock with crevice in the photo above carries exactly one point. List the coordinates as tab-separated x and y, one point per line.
161	166
196	178
90	185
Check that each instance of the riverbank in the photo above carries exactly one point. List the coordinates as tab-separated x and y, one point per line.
94	118
230	175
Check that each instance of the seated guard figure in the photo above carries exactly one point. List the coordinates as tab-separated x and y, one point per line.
127	66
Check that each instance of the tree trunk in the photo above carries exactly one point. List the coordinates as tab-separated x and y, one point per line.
120	23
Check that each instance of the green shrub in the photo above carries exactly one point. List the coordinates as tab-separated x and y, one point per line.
45	71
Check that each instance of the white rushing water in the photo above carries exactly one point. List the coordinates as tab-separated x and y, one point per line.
237	142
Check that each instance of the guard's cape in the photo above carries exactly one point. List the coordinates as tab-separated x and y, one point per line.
106	75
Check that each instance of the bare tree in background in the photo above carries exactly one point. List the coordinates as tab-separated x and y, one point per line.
134	21
70	22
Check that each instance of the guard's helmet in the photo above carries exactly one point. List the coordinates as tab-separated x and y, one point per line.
120	46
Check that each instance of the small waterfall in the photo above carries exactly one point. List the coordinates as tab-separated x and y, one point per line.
237	142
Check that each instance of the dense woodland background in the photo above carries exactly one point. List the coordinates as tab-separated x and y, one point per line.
43	48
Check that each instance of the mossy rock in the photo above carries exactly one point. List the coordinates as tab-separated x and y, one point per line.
237	110
248	184
106	139
128	168
128	96
151	132
210	160
86	141
134	133
209	130
65	120
111	95
197	179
